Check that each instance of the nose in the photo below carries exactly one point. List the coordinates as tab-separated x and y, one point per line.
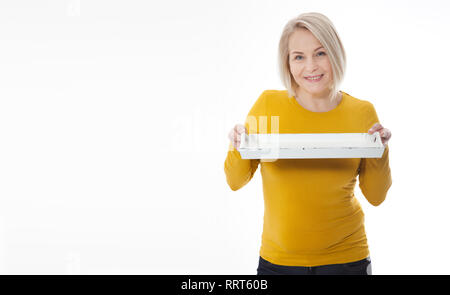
311	65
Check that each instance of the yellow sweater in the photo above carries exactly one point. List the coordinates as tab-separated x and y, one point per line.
311	216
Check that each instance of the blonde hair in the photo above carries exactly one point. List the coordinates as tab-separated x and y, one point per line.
323	29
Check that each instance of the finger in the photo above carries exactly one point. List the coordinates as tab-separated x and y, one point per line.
382	134
240	129
237	136
385	139
375	128
377	125
231	135
386	133
372	131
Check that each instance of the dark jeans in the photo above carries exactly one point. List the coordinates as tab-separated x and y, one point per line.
361	267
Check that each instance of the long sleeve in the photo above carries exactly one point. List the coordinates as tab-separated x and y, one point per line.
240	171
375	173
237	170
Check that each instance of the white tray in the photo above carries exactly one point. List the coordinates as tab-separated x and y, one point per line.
310	145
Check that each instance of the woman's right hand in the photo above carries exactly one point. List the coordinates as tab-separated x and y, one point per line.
235	135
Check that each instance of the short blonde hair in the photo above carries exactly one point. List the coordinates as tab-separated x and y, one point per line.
323	29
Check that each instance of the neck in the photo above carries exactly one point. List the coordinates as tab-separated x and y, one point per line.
323	96
318	103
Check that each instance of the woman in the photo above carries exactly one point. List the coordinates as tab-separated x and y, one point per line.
313	224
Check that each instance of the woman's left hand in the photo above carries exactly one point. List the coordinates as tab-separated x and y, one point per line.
385	133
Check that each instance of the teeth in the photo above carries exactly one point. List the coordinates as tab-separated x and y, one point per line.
314	78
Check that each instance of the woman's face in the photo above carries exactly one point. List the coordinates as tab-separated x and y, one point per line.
308	58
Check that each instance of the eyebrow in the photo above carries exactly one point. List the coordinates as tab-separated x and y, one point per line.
302	52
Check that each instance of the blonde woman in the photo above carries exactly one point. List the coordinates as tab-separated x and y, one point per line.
313	224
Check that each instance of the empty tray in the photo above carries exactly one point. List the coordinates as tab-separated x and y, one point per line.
310	145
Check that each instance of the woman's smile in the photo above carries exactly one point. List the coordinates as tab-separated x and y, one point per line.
314	78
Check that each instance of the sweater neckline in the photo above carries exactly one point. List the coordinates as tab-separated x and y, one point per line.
337	108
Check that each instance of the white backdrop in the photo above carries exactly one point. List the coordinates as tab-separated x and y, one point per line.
114	118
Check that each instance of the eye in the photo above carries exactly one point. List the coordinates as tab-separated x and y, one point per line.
297	56
321	52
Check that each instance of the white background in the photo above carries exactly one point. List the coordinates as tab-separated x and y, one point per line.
114	118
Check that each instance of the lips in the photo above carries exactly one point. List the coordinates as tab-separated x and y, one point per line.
314	78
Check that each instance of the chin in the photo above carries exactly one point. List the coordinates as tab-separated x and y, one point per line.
314	90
